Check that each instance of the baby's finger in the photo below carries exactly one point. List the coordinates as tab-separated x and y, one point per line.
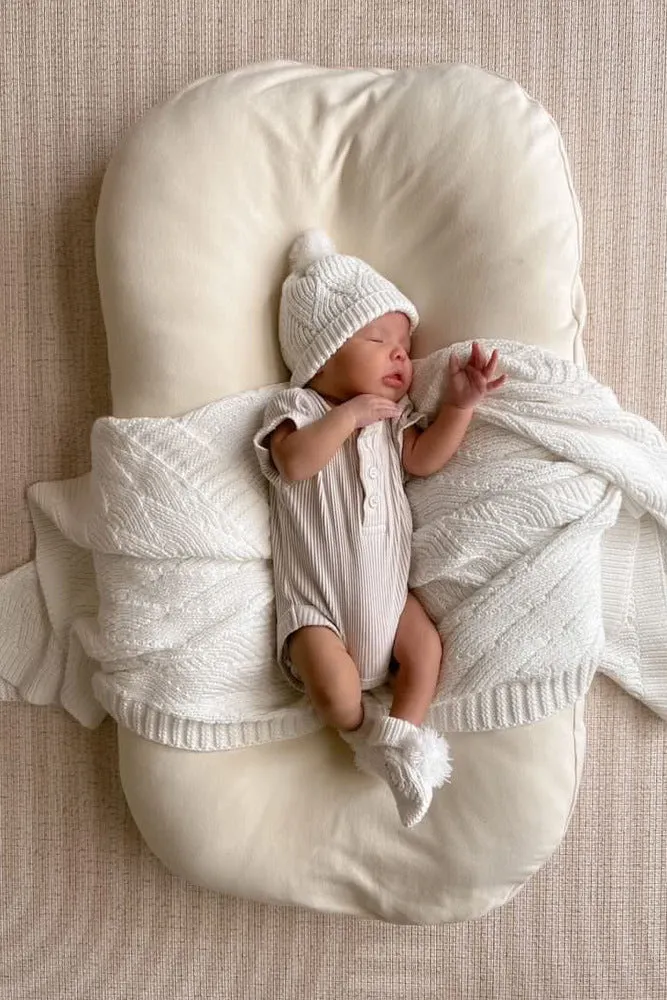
496	384
454	364
388	409
476	356
491	366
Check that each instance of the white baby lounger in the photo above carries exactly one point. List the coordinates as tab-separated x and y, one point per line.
453	183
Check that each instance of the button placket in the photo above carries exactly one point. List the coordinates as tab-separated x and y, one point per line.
370	478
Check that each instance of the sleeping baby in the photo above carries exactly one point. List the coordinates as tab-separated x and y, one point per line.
336	447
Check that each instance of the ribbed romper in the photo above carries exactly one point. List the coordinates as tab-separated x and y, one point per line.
341	540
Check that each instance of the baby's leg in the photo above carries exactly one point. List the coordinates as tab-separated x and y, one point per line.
418	650
329	674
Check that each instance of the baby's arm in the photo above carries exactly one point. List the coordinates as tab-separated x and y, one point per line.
425	452
301	454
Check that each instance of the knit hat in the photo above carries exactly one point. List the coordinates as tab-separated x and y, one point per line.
327	297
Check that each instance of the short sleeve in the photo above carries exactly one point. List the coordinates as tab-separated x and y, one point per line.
301	406
408	417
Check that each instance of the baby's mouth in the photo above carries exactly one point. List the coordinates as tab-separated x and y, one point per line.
394	381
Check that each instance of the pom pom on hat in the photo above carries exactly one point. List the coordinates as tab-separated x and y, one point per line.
308	248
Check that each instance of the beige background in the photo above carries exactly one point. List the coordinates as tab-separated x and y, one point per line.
85	910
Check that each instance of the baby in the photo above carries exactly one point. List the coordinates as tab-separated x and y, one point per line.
335	448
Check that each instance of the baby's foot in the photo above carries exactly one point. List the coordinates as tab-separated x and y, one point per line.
399	766
411	759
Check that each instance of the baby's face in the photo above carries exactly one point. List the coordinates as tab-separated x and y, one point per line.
375	360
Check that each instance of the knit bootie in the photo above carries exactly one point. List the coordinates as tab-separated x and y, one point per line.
412	760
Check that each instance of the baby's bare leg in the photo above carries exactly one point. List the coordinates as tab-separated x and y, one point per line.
418	650
330	676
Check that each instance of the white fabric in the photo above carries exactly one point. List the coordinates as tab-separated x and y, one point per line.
325	300
507	559
176	517
523	556
340	540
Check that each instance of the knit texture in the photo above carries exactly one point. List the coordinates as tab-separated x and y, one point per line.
530	551
325	300
413	760
517	549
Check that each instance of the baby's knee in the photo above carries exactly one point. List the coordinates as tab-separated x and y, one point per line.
433	644
419	652
420	641
426	663
330	676
337	704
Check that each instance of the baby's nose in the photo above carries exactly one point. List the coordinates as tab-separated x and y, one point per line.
400	353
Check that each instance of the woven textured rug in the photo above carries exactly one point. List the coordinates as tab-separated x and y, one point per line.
85	910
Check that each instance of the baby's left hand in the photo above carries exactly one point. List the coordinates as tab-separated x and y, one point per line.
469	384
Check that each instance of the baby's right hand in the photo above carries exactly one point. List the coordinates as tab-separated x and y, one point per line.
367	409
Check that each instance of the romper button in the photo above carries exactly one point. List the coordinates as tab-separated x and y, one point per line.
372	502
373	472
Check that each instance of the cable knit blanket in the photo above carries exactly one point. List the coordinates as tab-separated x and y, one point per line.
540	551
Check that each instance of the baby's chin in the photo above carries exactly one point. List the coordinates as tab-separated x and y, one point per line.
395	393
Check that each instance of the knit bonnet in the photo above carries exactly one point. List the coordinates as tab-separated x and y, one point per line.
326	298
